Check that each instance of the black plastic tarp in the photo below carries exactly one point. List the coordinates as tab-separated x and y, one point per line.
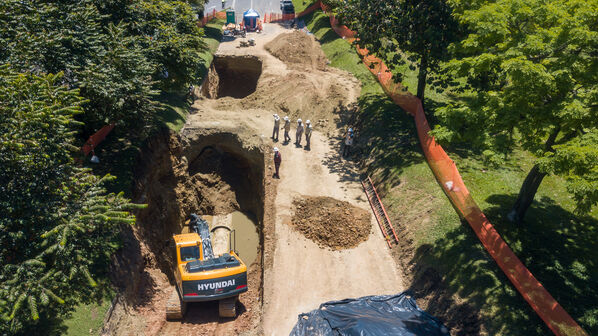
370	315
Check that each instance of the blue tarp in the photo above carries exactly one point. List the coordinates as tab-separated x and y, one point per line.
370	315
250	19
251	13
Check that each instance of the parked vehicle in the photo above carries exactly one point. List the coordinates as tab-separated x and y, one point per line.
286	6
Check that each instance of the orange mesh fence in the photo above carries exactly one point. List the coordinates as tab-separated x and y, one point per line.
210	16
310	9
447	174
277	17
95	139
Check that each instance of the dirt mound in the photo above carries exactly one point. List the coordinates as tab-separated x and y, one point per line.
330	222
298	48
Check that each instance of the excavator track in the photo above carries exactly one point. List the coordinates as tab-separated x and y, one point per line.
175	307
228	307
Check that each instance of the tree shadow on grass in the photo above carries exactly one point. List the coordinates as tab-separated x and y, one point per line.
321	21
559	248
458	264
389	138
385	140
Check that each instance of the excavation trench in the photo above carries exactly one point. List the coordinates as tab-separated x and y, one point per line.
213	173
232	76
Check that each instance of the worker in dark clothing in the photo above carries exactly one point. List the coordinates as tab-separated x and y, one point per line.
223	3
277	161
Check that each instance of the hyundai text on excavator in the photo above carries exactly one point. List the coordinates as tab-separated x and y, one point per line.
203	275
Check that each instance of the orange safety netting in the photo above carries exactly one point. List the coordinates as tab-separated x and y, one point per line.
96	138
211	15
447	174
278	17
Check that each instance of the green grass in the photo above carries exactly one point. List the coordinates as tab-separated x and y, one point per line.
301	5
87	319
554	243
118	154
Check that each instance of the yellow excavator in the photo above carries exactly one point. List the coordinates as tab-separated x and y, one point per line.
206	274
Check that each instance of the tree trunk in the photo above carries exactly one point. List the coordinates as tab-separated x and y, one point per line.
421	77
526	194
530	184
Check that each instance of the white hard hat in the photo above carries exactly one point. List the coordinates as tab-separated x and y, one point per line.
307	121
299	120
275	115
286	118
276	149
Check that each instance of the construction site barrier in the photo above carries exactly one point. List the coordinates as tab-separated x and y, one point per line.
210	16
447	175
278	17
96	138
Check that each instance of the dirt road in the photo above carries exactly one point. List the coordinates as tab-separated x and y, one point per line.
302	274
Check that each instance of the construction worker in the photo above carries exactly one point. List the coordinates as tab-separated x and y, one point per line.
287	129
299	132
276	127
308	130
223	3
277	161
348	143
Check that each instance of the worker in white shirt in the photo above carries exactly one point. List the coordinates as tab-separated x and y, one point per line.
299	132
287	129
308	130
348	143
276	127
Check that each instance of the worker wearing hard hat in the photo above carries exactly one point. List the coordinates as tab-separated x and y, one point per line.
299	132
276	127
277	161
287	129
308	130
348	142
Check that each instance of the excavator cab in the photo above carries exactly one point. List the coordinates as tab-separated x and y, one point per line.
202	275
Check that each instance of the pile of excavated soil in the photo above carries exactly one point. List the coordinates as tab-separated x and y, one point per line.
331	222
298	48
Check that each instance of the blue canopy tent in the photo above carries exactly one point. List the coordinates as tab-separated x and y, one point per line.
250	19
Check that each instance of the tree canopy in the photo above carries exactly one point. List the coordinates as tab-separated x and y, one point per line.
66	69
531	80
418	31
117	52
58	225
523	74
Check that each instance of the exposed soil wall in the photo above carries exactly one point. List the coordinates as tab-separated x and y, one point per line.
211	172
205	173
232	76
